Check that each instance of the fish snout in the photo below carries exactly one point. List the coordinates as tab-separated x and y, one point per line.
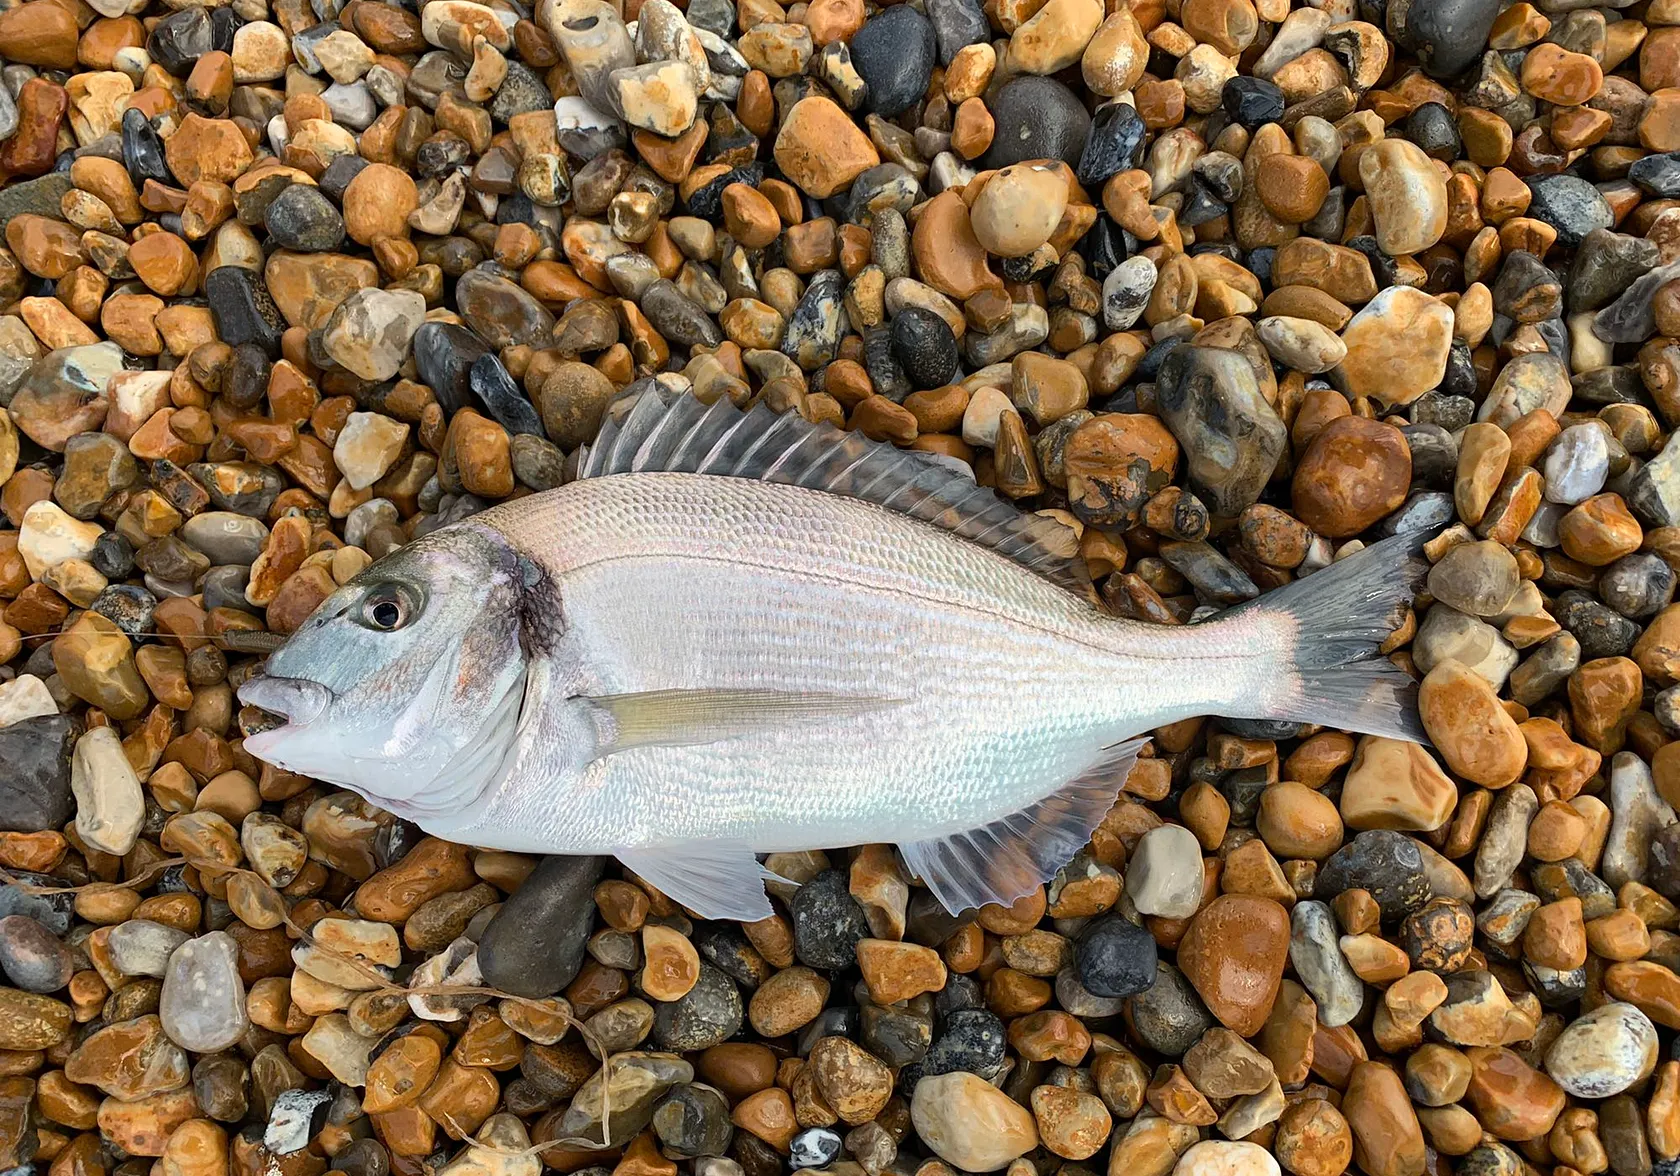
299	700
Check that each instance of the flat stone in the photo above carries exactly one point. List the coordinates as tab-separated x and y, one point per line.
1231	437
1315	952
202	1004
369	332
1397	347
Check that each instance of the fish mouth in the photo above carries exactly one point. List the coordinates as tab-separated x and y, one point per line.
298	700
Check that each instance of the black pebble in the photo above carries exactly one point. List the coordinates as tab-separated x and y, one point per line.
1602	631
445	353
181	38
956	24
707	200
1252	102
1658	174
113	556
827	922
303	219
1460	377
1104	247
1113	144
972	1040
1036	118
1383	862
142	149
1116	958
1570	205
242	308
1448	35
535	944
339	173
924	347
224	22
893	52
35	787
1432	127
502	397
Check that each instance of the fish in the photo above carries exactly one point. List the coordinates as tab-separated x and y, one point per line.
738	633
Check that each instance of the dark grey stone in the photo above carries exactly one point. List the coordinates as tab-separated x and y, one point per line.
534	945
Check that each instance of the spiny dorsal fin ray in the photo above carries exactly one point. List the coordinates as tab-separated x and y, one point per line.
653	428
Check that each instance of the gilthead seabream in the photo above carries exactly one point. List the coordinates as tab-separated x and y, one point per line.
736	634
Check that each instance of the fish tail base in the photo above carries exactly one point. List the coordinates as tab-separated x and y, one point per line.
1333	623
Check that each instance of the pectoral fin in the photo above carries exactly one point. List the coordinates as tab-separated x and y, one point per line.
684	718
999	862
714	879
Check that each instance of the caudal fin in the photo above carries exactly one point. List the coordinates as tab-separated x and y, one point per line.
1333	673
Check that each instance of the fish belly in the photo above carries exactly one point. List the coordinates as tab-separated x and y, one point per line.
995	686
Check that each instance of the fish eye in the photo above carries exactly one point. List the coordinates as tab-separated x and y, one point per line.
387	607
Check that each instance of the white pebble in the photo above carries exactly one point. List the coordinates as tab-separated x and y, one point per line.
110	806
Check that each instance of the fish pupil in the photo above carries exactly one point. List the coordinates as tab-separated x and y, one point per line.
386	614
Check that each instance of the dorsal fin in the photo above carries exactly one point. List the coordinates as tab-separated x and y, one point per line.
668	431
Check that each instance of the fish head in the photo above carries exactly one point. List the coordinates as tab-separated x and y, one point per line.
406	684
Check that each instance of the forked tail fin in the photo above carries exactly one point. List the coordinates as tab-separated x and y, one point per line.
1332	673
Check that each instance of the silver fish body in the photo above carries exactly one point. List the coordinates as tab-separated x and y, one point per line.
992	685
687	670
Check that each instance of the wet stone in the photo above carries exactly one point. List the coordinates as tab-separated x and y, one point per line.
1448	35
1603	1052
202	1005
142	149
924	347
969	1039
445	354
1315	952
1657	174
501	312
1037	118
1599	630
502	398
1169	1016
827	922
693	1121
708	1014
633	1083
1231	436
1606	264
894	53
1570	205
35	789
302	218
677	317
813	333
535	944
1252	102
32	957
1386	864
53	911
244	311
1113	144
1116	958
956	23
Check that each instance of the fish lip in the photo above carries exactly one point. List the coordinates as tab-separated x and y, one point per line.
300	700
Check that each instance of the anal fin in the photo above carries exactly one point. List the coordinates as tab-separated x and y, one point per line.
999	862
714	879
